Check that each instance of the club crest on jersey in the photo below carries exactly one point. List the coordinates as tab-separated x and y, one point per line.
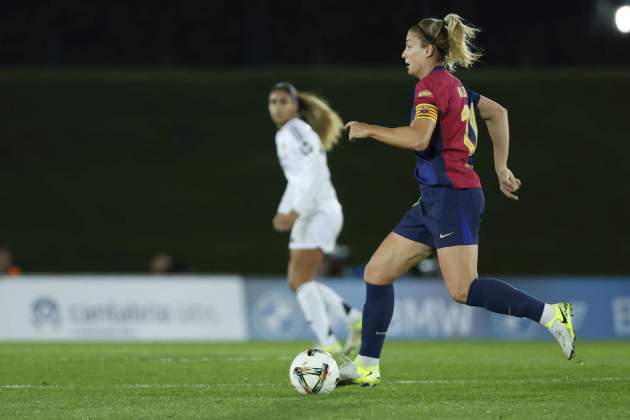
424	93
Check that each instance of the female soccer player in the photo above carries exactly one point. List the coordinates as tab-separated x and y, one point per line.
443	135
309	209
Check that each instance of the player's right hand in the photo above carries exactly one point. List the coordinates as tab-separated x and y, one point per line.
357	130
284	222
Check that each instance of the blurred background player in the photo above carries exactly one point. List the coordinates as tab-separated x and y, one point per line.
164	263
443	134
309	209
7	268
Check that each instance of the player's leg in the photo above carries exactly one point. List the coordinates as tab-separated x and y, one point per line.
394	257
322	231
459	269
303	267
341	311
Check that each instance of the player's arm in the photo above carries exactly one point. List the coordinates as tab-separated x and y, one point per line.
302	187
285	201
496	118
415	137
284	219
312	172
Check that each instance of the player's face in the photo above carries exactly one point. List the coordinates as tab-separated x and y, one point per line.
415	55
282	107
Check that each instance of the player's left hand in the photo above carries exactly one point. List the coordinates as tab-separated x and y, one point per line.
357	130
283	222
508	183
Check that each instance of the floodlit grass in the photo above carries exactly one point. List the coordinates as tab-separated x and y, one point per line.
250	380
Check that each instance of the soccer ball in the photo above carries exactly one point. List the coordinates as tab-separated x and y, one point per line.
314	372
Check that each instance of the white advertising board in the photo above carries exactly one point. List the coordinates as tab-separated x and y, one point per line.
123	308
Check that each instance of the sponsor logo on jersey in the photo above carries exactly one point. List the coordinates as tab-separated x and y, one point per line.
424	93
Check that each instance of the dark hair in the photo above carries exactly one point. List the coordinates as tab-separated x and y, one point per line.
317	113
287	87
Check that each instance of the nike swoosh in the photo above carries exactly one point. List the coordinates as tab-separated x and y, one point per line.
564	318
442	235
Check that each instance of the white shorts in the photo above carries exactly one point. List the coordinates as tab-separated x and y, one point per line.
318	229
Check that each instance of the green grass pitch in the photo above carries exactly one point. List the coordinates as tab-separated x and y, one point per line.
455	379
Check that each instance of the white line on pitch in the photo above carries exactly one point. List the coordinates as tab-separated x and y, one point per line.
464	381
401	382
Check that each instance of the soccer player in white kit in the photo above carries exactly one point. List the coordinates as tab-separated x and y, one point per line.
309	208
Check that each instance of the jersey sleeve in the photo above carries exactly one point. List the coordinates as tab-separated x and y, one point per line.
300	141
473	97
304	183
285	205
425	102
312	174
288	158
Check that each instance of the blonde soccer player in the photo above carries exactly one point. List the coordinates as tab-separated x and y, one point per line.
309	209
443	135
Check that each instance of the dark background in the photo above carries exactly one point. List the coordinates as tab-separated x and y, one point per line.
196	33
134	129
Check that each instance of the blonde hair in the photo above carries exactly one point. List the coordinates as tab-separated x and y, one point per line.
451	37
324	120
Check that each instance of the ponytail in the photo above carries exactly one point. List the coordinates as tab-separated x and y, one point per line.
460	45
324	120
451	37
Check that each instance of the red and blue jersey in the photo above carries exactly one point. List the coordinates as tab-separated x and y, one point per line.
448	160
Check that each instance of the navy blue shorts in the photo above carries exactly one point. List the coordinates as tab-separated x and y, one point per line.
444	216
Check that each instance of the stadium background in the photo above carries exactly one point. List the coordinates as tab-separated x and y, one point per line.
130	129
136	129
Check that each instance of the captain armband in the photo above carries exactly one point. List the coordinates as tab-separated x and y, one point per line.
428	111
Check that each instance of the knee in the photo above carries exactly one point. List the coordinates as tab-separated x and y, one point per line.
294	284
459	292
376	274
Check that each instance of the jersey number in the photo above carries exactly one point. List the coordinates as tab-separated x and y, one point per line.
470	136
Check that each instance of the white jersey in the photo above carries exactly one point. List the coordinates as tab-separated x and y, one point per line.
303	160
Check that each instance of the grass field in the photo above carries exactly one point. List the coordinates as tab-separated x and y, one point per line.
250	381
